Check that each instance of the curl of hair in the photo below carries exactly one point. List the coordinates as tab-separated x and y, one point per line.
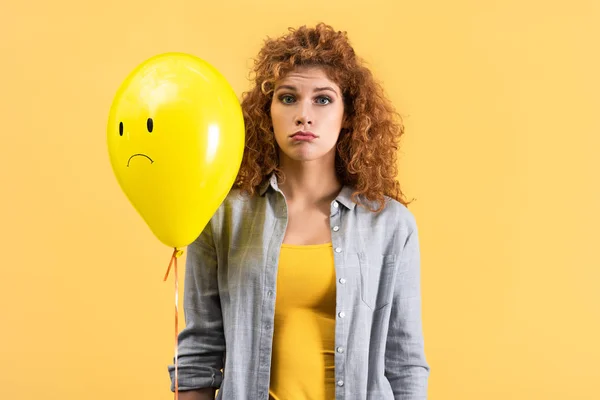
366	153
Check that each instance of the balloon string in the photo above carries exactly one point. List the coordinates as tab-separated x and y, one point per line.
176	254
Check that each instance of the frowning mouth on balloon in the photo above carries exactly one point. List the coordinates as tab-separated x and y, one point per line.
139	155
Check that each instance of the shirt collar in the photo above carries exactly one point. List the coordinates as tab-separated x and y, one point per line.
271	182
344	197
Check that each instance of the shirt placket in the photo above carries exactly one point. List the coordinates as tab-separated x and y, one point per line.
335	222
268	309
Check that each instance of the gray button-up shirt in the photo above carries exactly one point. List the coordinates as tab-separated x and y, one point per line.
230	290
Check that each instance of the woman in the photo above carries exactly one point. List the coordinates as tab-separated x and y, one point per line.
306	282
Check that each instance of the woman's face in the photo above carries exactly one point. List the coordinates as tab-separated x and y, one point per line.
307	113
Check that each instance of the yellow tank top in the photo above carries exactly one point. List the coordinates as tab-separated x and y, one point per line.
302	364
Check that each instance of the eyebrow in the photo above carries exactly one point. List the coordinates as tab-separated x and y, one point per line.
317	89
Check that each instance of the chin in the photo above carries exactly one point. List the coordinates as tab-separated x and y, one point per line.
302	155
305	153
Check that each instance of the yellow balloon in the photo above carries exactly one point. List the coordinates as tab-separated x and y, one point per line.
175	139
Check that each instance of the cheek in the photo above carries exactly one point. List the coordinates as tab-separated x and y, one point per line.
278	124
334	120
277	118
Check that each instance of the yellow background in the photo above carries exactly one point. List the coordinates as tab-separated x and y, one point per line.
501	103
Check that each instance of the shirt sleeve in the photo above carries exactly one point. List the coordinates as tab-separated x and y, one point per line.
201	345
405	365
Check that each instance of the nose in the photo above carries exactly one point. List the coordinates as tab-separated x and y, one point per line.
303	117
303	120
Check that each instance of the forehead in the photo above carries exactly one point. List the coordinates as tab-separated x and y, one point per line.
307	76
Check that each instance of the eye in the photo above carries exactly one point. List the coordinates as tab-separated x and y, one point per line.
323	100
286	99
150	124
120	129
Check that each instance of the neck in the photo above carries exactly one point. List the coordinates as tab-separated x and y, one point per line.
309	182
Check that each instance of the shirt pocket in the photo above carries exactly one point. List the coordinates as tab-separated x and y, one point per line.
376	272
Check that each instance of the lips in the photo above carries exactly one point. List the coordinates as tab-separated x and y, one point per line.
303	136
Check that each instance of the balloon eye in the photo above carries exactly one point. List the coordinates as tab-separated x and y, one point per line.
150	124
120	129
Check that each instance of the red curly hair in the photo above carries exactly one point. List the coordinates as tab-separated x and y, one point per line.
367	146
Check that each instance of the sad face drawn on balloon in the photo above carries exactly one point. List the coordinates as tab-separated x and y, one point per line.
156	133
150	127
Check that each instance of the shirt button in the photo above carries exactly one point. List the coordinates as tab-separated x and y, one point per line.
340	383
338	249
335	204
336	228
340	349
270	293
342	281
341	314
